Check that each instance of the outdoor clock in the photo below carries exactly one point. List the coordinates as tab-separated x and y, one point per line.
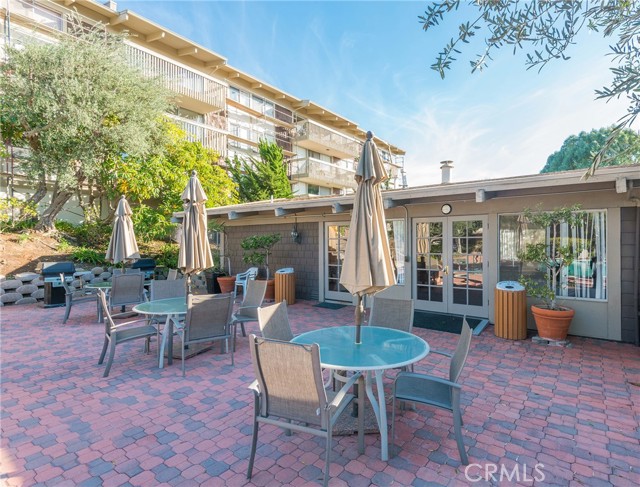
446	209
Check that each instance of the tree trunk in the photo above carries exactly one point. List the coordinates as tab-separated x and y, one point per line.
48	218
41	191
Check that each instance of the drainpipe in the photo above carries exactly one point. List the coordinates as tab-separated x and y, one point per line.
445	167
636	272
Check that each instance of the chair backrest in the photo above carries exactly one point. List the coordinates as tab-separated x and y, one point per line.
274	322
207	317
249	274
106	312
130	270
167	289
116	272
462	351
290	377
127	289
253	297
392	313
172	275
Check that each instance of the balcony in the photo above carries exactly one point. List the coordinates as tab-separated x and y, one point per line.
317	138
314	171
199	93
209	136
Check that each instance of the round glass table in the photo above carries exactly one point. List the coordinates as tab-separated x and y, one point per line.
381	349
171	308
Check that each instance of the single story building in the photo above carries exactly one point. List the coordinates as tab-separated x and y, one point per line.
453	242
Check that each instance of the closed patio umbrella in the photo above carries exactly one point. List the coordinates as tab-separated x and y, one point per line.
122	246
367	266
195	253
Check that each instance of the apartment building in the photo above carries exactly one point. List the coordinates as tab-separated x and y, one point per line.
222	107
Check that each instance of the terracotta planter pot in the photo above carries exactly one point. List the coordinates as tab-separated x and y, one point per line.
227	283
552	324
270	294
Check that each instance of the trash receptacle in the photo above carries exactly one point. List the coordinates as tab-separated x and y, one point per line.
511	310
285	285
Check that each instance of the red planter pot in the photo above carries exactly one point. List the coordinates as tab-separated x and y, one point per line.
552	324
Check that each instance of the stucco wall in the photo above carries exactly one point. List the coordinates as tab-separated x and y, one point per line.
303	257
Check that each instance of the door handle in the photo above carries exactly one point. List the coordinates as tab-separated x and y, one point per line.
445	270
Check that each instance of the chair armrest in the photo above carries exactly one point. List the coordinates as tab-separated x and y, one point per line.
344	390
255	387
430	378
122	325
440	352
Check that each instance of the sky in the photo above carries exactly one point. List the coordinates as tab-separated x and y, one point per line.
369	61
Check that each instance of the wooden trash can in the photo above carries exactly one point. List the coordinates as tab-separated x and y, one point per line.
511	310
285	286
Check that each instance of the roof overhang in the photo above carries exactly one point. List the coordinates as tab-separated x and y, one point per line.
624	180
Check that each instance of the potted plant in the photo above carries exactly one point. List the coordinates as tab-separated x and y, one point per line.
552	319
256	252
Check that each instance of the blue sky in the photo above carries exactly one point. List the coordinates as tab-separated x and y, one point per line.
369	61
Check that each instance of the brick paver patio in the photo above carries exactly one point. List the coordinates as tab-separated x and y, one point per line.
573	413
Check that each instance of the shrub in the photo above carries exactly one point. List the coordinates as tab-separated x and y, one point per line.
89	256
17	215
94	235
168	256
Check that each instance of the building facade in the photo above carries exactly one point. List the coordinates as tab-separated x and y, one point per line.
452	243
222	107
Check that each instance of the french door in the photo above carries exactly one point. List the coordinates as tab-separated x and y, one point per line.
450	270
335	243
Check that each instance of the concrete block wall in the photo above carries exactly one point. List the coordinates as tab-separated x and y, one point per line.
303	256
28	287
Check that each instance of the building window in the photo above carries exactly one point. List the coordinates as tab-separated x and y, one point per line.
585	277
397	237
313	189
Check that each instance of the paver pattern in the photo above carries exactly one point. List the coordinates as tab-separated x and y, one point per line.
573	413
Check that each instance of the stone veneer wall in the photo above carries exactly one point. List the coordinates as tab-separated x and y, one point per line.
28	287
303	257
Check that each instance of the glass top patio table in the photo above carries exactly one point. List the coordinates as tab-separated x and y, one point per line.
381	349
169	307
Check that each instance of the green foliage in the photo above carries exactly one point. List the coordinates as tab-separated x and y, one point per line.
95	235
553	257
168	255
257	249
89	256
578	151
77	104
17	215
259	180
154	185
23	238
544	30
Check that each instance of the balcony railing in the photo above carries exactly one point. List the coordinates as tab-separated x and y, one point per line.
315	171
205	134
179	79
315	137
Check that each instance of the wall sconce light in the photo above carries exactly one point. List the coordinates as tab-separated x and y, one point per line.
295	236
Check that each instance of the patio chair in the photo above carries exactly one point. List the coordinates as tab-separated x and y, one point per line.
274	322
127	289
207	320
289	393
74	296
392	313
242	278
165	290
127	270
122	332
248	310
172	275
435	391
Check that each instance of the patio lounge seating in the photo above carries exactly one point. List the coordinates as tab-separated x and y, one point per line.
74	296
122	332
435	391
289	393
274	322
242	278
248	310
207	320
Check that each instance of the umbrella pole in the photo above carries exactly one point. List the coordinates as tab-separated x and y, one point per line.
358	320
188	284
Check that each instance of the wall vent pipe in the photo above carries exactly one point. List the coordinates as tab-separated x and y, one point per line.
445	167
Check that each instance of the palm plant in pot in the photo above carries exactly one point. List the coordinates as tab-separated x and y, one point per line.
257	249
552	257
